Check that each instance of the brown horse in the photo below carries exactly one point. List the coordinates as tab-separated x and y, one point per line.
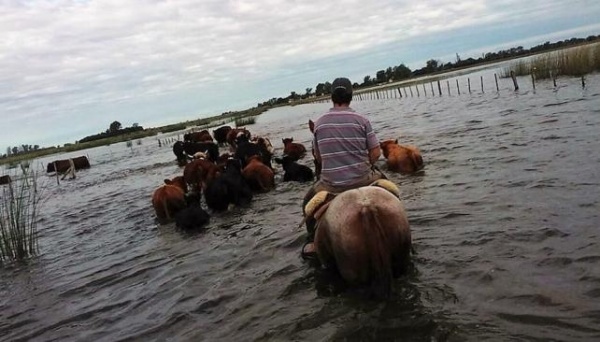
401	158
365	234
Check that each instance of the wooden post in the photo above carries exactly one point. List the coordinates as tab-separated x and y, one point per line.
405	94
424	90
553	78
496	78
533	79
399	92
457	86
582	81
469	84
439	87
482	84
432	91
377	93
411	93
56	171
448	85
514	78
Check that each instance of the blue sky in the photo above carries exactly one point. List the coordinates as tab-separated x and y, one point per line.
69	68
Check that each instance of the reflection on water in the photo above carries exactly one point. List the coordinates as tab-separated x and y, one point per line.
504	220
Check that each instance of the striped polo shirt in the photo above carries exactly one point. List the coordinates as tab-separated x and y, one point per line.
344	138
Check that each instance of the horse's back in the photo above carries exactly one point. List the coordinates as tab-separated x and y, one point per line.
365	233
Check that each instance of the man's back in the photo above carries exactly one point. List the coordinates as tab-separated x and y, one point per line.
343	139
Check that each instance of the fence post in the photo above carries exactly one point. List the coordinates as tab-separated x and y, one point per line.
469	84
439	87
411	93
553	78
496	78
482	84
417	87
399	92
424	90
457	86
448	85
514	78
533	79
431	84
582	81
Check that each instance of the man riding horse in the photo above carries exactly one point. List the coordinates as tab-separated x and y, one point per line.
346	148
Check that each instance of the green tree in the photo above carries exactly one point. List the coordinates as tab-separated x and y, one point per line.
402	72
308	91
320	89
432	65
380	76
114	126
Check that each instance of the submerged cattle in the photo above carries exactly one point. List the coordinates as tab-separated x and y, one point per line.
292	149
401	158
230	187
260	177
294	171
63	165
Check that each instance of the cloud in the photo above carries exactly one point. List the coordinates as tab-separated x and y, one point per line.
65	59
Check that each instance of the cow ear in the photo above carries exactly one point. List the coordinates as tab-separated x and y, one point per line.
396	141
168	182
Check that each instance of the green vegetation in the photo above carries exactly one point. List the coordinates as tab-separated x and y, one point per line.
19	206
245	121
576	61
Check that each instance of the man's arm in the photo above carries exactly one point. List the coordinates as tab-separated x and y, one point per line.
374	154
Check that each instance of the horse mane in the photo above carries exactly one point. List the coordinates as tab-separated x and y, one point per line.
379	254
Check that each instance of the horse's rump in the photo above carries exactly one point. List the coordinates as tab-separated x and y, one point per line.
365	234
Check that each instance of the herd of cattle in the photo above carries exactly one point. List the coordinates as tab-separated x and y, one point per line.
233	177
223	179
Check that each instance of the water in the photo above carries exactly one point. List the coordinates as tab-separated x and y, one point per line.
504	221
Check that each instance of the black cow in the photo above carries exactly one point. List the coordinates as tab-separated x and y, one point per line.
229	187
245	149
180	153
220	134
294	171
5	180
185	149
193	217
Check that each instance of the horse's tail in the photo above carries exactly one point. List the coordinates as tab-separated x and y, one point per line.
380	259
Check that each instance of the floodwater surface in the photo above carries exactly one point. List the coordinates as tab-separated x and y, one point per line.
504	220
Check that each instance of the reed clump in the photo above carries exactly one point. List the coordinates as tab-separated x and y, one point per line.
19	208
240	122
577	62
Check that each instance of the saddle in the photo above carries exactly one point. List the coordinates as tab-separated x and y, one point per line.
318	205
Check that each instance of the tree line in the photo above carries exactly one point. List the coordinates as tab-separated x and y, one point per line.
114	129
402	72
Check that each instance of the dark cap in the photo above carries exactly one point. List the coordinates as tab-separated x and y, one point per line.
342	82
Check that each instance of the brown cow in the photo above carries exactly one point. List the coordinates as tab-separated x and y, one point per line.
199	173
259	176
292	149
202	136
63	165
167	201
179	182
233	134
401	158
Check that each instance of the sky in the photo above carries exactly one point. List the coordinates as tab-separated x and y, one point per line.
68	68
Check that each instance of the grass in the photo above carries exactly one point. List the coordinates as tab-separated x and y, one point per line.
19	204
240	122
576	62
